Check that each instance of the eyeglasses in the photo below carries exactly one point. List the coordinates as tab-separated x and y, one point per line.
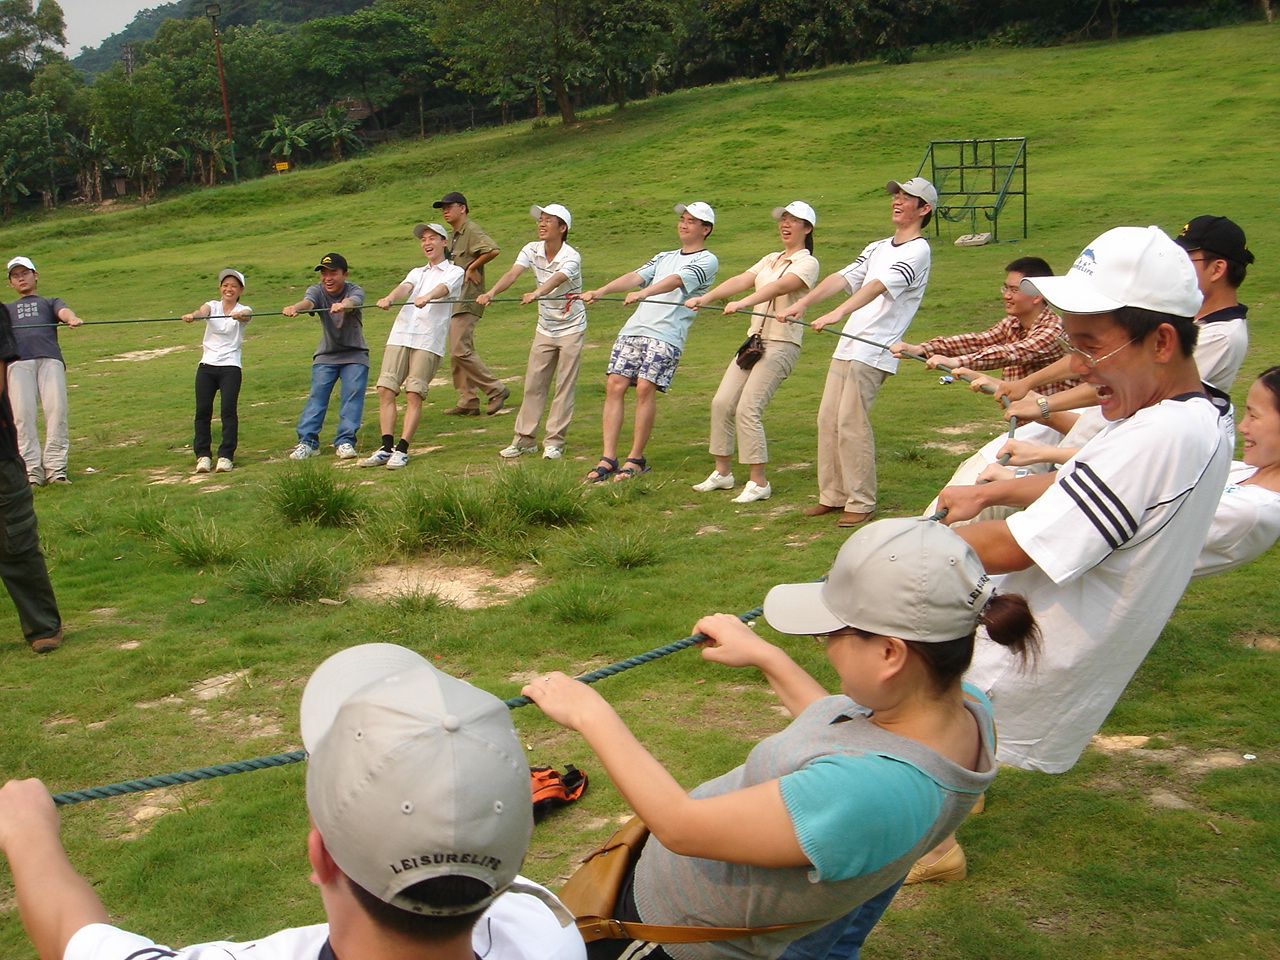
1088	358
1005	288
842	632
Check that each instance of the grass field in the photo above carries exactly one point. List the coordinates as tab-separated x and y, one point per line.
176	657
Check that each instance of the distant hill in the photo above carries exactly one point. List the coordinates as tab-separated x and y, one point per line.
93	61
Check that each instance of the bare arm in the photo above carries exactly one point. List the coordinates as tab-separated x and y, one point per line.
627	281
861	297
438	292
995	546
829	287
68	316
966	502
551	283
473	271
787	283
401	290
53	900
671	281
504	281
293	309
720	291
736	645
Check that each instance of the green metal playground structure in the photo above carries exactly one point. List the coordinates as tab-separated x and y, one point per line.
977	177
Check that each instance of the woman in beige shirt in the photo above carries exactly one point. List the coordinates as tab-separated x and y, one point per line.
738	407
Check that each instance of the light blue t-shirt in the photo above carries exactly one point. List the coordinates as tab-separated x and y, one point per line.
665	317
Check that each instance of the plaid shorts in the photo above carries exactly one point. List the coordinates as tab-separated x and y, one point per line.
644	357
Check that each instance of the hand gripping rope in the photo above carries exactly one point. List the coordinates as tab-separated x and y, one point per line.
282	759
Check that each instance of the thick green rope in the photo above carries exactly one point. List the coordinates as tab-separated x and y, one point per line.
281	759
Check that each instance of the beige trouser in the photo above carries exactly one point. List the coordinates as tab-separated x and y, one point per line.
846	445
738	406
548	356
470	375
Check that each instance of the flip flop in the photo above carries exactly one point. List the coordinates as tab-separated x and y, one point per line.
627	472
603	470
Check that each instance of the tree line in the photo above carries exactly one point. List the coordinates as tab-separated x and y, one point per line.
320	89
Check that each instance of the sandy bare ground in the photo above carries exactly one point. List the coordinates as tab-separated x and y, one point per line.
467	587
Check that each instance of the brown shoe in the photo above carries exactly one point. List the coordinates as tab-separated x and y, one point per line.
848	519
47	644
498	402
819	510
952	865
463	412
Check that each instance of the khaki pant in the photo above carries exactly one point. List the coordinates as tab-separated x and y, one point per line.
470	375
738	406
549	356
846	445
33	385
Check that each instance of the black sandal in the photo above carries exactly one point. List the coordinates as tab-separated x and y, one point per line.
606	468
627	472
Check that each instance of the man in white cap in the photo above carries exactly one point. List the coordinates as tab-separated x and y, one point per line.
1106	545
562	329
38	378
421	814
415	345
886	284
647	351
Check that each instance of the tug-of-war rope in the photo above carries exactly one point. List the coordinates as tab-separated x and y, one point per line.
296	756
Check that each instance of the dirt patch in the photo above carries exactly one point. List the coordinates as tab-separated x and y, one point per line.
103	611
219	686
141	811
467	587
955	449
135	355
982	426
1268	644
1187	765
709	528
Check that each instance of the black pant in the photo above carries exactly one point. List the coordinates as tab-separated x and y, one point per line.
22	565
209	380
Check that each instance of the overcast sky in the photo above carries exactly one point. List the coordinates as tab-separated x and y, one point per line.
89	22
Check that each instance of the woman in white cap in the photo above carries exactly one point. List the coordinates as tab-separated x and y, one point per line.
753	377
831	812
220	371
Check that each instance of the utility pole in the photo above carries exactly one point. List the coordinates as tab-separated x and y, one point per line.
213	11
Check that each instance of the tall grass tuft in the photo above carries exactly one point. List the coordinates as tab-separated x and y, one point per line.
201	544
313	494
539	497
146	517
577	601
634	548
303	575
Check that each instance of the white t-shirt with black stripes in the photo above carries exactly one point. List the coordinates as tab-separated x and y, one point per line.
903	268
1114	542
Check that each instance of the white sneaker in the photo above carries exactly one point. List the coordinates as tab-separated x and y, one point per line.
552	453
753	492
204	464
513	451
304	452
224	465
378	458
346	451
397	460
714	482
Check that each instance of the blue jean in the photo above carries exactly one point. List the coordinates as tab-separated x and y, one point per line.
354	377
842	939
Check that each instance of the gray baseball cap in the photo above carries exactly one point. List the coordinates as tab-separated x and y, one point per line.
917	187
413	774
910	578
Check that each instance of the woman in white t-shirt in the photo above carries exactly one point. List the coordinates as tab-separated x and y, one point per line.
748	385
220	371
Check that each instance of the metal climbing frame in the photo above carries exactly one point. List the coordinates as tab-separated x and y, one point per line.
974	176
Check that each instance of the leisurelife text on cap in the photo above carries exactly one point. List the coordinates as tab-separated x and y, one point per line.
1125	267
917	187
413	774
21	262
1217	235
797	208
333	261
231	273
422	228
698	209
556	210
910	578
454	197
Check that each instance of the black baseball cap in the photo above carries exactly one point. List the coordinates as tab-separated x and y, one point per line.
1218	235
333	261
454	197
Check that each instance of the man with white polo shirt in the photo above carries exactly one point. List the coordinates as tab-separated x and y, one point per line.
886	284
416	343
647	351
418	790
562	330
1106	545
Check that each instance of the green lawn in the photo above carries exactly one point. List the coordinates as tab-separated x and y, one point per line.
1167	850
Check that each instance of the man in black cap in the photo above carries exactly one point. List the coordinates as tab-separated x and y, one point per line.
1220	255
469	248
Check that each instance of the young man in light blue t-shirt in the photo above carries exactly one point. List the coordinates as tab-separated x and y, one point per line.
647	350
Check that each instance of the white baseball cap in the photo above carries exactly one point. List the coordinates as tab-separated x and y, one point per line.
21	262
422	228
797	208
1125	267
917	187
556	210
910	578
413	774
231	273
697	209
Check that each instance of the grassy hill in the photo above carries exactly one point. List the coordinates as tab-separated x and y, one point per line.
1163	851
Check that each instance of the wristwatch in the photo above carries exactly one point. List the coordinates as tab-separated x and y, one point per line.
1043	404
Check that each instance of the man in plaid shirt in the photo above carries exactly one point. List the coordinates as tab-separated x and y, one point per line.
1024	341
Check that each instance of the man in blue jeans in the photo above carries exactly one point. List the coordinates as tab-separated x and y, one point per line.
342	355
